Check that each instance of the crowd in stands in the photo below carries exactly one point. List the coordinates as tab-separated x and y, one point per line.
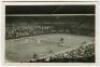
17	27
84	53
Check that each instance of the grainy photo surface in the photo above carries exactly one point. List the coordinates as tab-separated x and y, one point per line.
50	34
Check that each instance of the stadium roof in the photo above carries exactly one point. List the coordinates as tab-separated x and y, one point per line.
62	9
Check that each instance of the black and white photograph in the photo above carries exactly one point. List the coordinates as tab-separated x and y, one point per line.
50	33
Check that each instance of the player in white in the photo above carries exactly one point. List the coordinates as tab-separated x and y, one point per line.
61	41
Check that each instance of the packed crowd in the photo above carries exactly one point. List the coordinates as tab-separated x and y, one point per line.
17	27
85	53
